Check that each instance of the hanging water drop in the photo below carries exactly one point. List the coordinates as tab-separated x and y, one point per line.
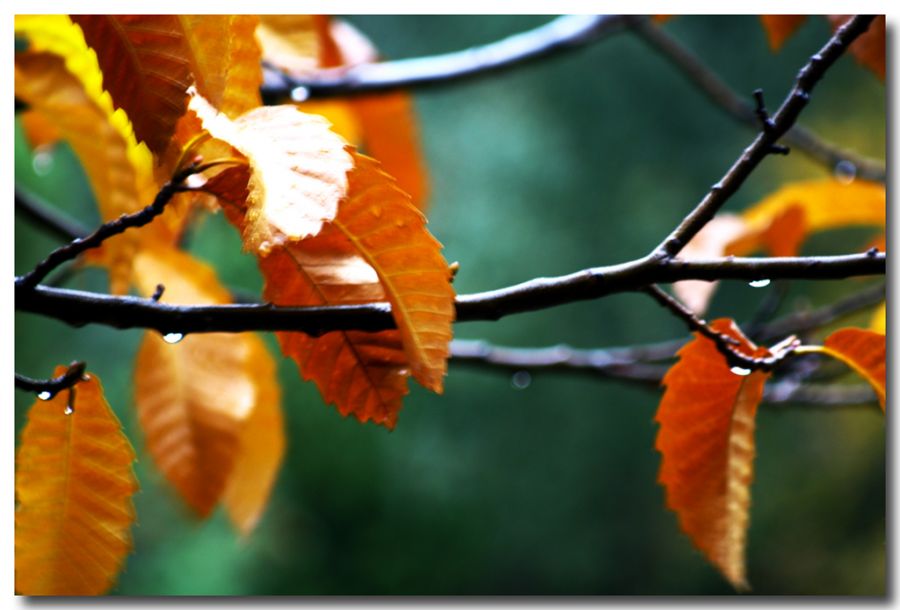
299	94
45	395
42	162
68	410
845	172
521	380
760	283
740	371
173	337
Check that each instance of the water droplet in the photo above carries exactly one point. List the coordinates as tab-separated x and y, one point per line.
68	410
42	162
521	380
376	211
845	172
299	94
173	337
760	283
195	181
45	395
740	371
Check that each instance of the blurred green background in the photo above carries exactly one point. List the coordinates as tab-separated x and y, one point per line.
587	159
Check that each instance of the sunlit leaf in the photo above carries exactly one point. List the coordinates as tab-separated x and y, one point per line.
197	395
869	48
120	185
38	129
780	27
706	438
297	44
878	323
299	170
864	351
146	68
74	484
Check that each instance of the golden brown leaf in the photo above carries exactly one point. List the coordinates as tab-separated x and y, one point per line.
39	131
298	170
120	176
197	397
225	60
868	49
864	351
707	420
298	44
780	27
145	61
74	484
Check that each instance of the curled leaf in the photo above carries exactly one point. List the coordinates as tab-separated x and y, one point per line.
74	483
864	351
706	438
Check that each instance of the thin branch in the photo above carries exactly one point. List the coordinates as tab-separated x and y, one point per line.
614	364
79	308
784	118
48	388
560	35
723	96
47	217
105	231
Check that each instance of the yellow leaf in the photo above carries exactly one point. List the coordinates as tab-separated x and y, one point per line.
74	484
878	323
197	398
298	170
864	351
120	185
146	68
706	438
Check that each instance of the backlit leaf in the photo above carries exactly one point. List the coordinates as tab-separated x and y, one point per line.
39	131
74	483
878	323
146	68
706	438
197	398
780	27
225	60
864	351
869	48
119	174
298	170
297	44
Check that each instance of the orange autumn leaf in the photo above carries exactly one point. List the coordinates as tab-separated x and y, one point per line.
225	60
74	483
780	27
146	69
298	170
706	438
39	130
121	183
298	44
199	398
869	48
864	351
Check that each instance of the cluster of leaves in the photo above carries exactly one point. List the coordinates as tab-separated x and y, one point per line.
141	99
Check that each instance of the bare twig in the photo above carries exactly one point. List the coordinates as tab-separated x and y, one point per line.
78	308
725	98
784	118
48	218
48	388
105	231
560	35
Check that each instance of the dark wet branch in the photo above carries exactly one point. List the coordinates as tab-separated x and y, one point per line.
554	38
708	82
79	308
48	388
762	146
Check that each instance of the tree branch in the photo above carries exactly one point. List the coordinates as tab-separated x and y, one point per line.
79	308
560	35
48	388
107	230
723	96
784	118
